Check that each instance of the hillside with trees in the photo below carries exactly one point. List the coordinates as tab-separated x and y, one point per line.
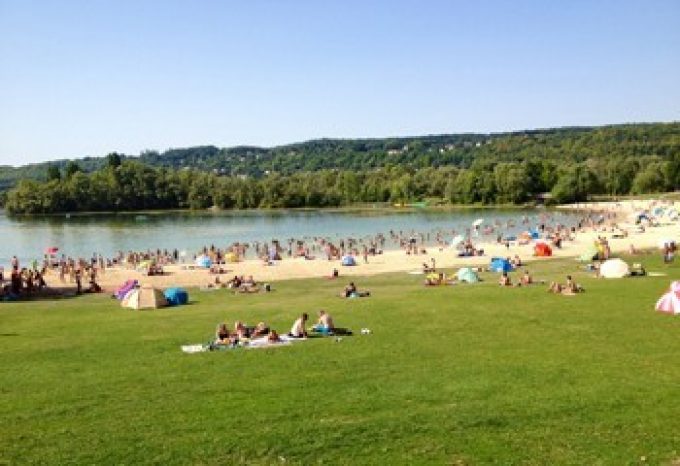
571	163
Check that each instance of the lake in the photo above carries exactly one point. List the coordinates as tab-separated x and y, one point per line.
82	235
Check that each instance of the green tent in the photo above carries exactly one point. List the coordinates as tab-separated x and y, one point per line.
468	275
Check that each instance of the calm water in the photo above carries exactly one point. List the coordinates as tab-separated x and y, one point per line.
83	235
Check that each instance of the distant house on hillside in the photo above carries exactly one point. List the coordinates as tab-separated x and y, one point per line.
542	198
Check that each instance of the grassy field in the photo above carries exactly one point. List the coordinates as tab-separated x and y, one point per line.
463	374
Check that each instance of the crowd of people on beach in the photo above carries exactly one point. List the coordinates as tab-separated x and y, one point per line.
83	273
27	282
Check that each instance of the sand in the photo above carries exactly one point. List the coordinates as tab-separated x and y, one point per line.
399	261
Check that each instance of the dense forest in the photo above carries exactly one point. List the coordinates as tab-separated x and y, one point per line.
570	163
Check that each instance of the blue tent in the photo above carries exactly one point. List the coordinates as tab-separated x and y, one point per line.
534	234
176	296
203	261
348	260
498	264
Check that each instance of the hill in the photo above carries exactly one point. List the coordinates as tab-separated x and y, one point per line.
574	144
571	163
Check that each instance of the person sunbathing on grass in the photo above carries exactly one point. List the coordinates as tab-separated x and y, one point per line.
505	280
351	291
249	285
234	282
434	279
222	335
259	330
273	337
526	279
240	331
298	328
568	289
325	323
572	286
555	288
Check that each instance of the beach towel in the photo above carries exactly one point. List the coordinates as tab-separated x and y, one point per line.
250	344
265	343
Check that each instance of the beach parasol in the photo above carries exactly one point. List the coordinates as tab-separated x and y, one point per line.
457	240
51	250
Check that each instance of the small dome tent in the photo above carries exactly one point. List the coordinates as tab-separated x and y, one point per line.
146	297
348	261
467	275
614	268
203	262
669	303
498	264
176	296
124	289
542	250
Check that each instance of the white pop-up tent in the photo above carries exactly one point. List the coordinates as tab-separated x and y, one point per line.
614	268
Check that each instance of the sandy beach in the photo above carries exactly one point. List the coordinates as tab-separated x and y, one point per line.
399	261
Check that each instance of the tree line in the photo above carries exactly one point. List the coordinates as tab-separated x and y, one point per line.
563	145
123	185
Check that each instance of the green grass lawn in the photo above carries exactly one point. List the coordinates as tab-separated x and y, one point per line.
461	374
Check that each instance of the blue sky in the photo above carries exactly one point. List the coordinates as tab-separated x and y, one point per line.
89	77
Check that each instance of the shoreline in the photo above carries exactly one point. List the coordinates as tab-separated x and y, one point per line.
398	261
370	207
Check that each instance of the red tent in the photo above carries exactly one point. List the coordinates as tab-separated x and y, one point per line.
542	250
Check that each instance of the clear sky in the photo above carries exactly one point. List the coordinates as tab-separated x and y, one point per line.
87	77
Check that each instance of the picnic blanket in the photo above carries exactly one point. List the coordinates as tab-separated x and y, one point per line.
249	344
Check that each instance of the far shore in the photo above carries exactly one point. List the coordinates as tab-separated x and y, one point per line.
370	207
399	261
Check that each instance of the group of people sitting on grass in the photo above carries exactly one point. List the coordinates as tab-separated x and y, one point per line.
570	287
243	335
439	278
525	280
240	284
